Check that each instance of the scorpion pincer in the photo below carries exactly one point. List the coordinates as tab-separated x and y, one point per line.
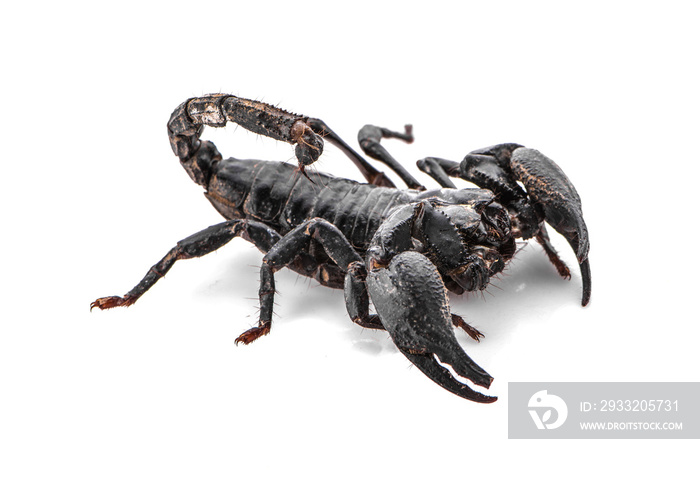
401	250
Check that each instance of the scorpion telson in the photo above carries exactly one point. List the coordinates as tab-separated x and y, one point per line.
403	250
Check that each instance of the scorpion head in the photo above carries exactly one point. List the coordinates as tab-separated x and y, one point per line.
468	242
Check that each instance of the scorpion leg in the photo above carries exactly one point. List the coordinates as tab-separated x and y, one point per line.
543	238
197	245
440	170
357	298
284	253
370	136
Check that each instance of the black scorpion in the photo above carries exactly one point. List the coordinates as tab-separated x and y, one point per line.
401	249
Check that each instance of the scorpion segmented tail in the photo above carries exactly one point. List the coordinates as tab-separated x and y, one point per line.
197	156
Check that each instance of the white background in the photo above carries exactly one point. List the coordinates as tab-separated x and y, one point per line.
157	400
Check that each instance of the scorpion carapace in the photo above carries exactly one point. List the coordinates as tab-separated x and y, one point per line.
401	250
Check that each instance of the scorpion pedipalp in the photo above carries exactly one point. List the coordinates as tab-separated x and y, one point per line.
550	188
548	196
412	303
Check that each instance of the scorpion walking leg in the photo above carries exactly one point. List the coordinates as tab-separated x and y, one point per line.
370	136
440	170
543	238
284	253
357	298
197	245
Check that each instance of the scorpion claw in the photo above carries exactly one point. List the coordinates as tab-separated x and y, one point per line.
411	301
547	184
441	375
586	277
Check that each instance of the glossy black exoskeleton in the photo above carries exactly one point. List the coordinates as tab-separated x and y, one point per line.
400	249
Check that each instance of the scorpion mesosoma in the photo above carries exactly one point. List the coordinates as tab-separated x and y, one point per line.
400	249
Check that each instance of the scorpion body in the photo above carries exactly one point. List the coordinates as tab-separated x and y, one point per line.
401	249
276	194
